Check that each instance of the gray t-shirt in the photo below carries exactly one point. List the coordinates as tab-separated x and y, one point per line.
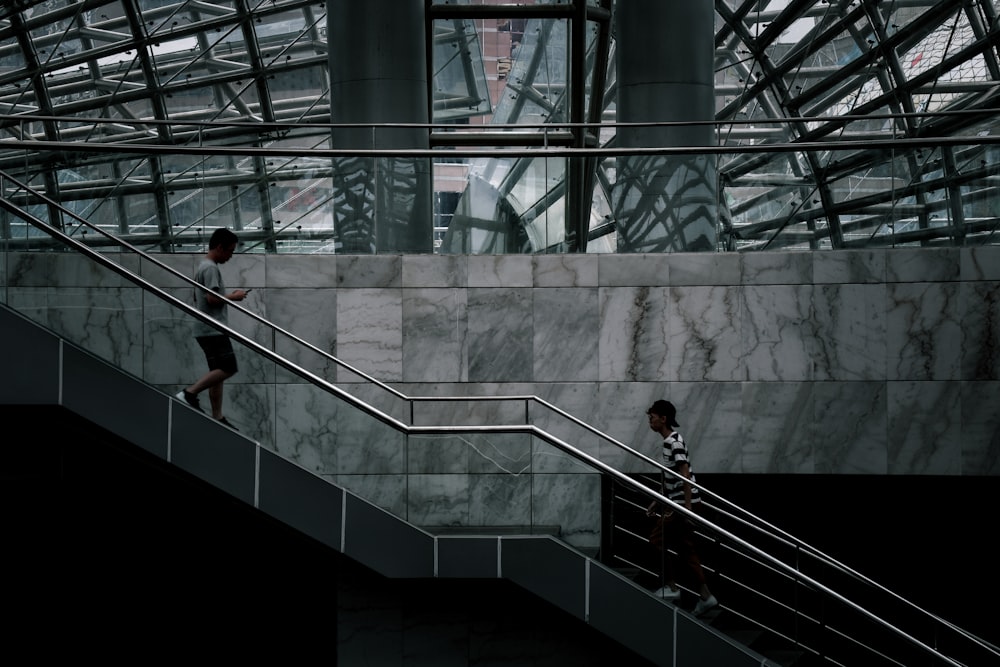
209	275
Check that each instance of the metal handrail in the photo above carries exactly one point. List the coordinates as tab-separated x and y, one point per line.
410	429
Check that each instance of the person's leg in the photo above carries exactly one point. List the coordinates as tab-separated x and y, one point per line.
222	364
209	380
215	399
687	554
668	585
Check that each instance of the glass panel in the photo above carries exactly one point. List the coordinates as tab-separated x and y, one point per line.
786	72
460	87
539	77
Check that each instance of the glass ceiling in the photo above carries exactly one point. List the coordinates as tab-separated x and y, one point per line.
839	123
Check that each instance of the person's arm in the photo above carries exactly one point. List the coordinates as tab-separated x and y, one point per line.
215	299
684	469
651	510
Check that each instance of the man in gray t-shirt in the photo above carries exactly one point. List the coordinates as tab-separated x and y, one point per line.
209	275
213	301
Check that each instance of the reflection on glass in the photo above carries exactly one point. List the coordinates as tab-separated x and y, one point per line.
258	77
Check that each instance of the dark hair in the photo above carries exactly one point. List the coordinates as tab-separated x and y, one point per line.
664	409
223	237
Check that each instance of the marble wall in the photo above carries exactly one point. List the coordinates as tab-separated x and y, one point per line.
853	362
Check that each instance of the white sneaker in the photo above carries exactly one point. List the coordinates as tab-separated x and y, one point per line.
705	605
667	593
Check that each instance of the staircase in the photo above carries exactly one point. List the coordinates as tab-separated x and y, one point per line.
49	371
783	603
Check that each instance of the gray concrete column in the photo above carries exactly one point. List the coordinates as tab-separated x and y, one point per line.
665	55
378	74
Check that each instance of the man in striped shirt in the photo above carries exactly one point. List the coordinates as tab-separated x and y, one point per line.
677	532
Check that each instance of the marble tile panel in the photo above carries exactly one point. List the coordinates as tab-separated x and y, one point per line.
72	270
105	321
980	428
380	396
633	339
366	445
500	335
709	413
565	270
370	331
565	327
979	306
924	334
575	399
309	315
924	432
849	266
435	270
850	437
305	427
548	457
980	263
777	268
712	421
253	366
185	264
639	270
777	332
385	491
704	334
441	454
621	413
369	271
250	317
301	271
472	404
250	407
905	265
500	500
850	328
704	268
572	502
329	436
243	271
778	431
434	335
171	355
437	500
129	261
500	271
498	453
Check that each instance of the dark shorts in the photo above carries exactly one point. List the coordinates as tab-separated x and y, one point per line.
218	353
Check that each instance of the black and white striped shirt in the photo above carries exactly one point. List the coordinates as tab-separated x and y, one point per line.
675	452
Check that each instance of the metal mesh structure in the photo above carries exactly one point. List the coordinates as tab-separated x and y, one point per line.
839	123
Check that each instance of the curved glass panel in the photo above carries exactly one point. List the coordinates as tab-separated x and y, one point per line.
134	115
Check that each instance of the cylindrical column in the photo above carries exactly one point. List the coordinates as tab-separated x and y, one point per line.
665	60
378	74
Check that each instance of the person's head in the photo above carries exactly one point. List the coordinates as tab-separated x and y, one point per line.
222	245
662	415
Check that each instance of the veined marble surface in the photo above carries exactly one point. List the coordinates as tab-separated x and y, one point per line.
852	362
